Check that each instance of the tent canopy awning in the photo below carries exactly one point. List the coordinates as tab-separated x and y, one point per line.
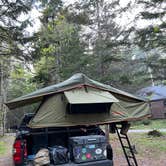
89	95
75	81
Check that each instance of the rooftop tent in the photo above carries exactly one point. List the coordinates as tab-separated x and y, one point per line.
82	93
53	113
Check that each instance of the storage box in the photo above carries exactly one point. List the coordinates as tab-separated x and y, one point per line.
87	148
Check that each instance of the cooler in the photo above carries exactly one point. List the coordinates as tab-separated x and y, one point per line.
87	148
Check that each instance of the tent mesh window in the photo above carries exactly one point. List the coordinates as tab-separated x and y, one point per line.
88	108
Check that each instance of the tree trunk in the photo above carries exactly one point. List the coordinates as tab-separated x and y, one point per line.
99	7
3	96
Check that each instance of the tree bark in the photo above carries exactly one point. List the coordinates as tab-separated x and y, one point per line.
3	96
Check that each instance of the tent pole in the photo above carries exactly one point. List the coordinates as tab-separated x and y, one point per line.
46	130
107	133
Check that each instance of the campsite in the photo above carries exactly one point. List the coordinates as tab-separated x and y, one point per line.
82	82
81	101
147	154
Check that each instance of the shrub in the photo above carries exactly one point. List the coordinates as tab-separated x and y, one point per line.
154	133
146	122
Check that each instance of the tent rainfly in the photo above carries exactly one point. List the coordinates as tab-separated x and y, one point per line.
82	101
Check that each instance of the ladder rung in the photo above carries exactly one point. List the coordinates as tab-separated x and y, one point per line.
123	137
127	147
119	127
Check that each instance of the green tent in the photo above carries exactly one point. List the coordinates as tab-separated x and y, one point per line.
75	101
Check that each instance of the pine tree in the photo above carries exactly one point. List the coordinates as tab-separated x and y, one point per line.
58	50
12	41
153	35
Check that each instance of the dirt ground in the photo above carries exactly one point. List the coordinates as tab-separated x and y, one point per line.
146	159
6	158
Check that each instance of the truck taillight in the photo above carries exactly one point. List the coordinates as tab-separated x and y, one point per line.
19	151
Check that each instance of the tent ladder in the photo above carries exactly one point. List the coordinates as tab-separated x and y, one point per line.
127	148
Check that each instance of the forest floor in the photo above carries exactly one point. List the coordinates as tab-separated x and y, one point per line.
150	150
6	143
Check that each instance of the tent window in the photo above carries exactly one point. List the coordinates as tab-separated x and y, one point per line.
88	108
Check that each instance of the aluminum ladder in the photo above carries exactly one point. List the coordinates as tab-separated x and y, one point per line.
127	147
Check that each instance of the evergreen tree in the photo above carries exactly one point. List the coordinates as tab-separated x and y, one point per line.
152	37
12	43
59	51
12	32
102	33
154	34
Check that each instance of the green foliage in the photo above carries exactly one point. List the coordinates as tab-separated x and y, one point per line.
59	49
11	28
13	46
146	122
51	9
62	45
152	124
145	142
98	17
150	40
2	148
20	84
154	133
148	15
152	36
44	69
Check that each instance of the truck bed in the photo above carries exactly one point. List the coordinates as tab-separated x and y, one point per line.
95	163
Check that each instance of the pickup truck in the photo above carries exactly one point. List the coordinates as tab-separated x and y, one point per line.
29	141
